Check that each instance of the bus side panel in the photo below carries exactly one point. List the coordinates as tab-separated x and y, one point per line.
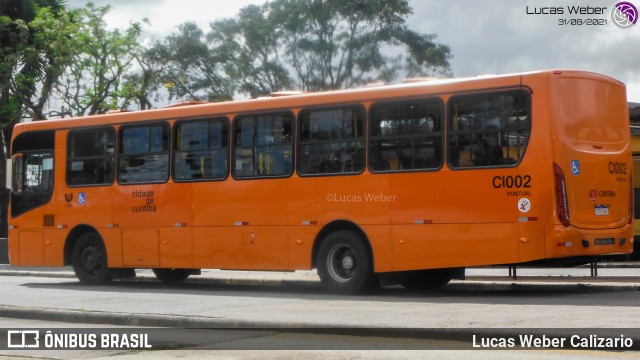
176	247
113	243
140	247
452	245
363	199
218	247
531	241
301	246
382	248
31	245
251	216
54	247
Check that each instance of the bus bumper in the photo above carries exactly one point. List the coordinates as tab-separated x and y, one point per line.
572	242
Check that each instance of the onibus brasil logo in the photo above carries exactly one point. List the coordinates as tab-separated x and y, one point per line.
624	14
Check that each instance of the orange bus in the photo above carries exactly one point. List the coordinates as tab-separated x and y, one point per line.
406	183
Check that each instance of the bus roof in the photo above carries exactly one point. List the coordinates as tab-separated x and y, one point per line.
293	100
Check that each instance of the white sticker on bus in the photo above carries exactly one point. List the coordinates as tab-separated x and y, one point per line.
524	205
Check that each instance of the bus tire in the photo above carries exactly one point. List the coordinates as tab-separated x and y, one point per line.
344	263
426	279
171	275
89	260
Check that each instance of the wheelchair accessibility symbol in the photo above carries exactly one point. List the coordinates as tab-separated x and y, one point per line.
575	167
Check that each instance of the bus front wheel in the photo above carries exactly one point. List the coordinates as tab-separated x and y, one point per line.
89	260
344	263
171	275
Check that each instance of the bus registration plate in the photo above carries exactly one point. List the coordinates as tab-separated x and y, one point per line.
602	210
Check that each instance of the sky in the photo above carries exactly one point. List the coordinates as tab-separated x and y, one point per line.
485	36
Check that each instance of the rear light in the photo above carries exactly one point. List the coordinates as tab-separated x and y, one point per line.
562	202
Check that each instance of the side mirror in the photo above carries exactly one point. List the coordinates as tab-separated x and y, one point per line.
14	173
8	173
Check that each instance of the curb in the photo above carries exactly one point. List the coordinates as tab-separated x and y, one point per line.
472	283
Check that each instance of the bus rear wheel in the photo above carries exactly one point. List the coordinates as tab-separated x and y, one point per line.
171	275
344	264
89	260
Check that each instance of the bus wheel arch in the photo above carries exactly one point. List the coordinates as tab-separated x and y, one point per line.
86	253
71	240
344	258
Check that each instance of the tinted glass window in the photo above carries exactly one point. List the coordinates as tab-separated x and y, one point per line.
406	136
91	157
263	146
201	150
331	141
144	154
488	129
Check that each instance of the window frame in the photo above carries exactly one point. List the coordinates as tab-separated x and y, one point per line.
232	144
120	148
174	133
69	159
363	138
442	134
449	133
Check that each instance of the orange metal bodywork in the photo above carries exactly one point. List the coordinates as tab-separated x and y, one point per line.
419	220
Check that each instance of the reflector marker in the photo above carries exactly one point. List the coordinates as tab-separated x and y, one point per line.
421	222
61	226
12	227
181	225
567	244
111	226
530	218
309	222
241	223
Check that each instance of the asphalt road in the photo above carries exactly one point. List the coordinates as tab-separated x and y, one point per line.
292	312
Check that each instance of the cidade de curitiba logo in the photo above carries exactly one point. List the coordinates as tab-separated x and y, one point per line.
624	14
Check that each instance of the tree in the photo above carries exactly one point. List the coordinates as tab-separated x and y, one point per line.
96	79
140	85
193	70
325	44
253	43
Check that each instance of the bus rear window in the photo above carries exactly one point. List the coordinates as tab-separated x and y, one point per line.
589	112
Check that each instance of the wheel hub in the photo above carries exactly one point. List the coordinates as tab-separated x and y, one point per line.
90	259
347	262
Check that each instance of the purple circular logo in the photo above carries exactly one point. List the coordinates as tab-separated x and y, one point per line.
624	14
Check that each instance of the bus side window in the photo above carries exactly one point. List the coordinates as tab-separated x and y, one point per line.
91	157
331	141
488	130
144	154
263	146
406	136
201	150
